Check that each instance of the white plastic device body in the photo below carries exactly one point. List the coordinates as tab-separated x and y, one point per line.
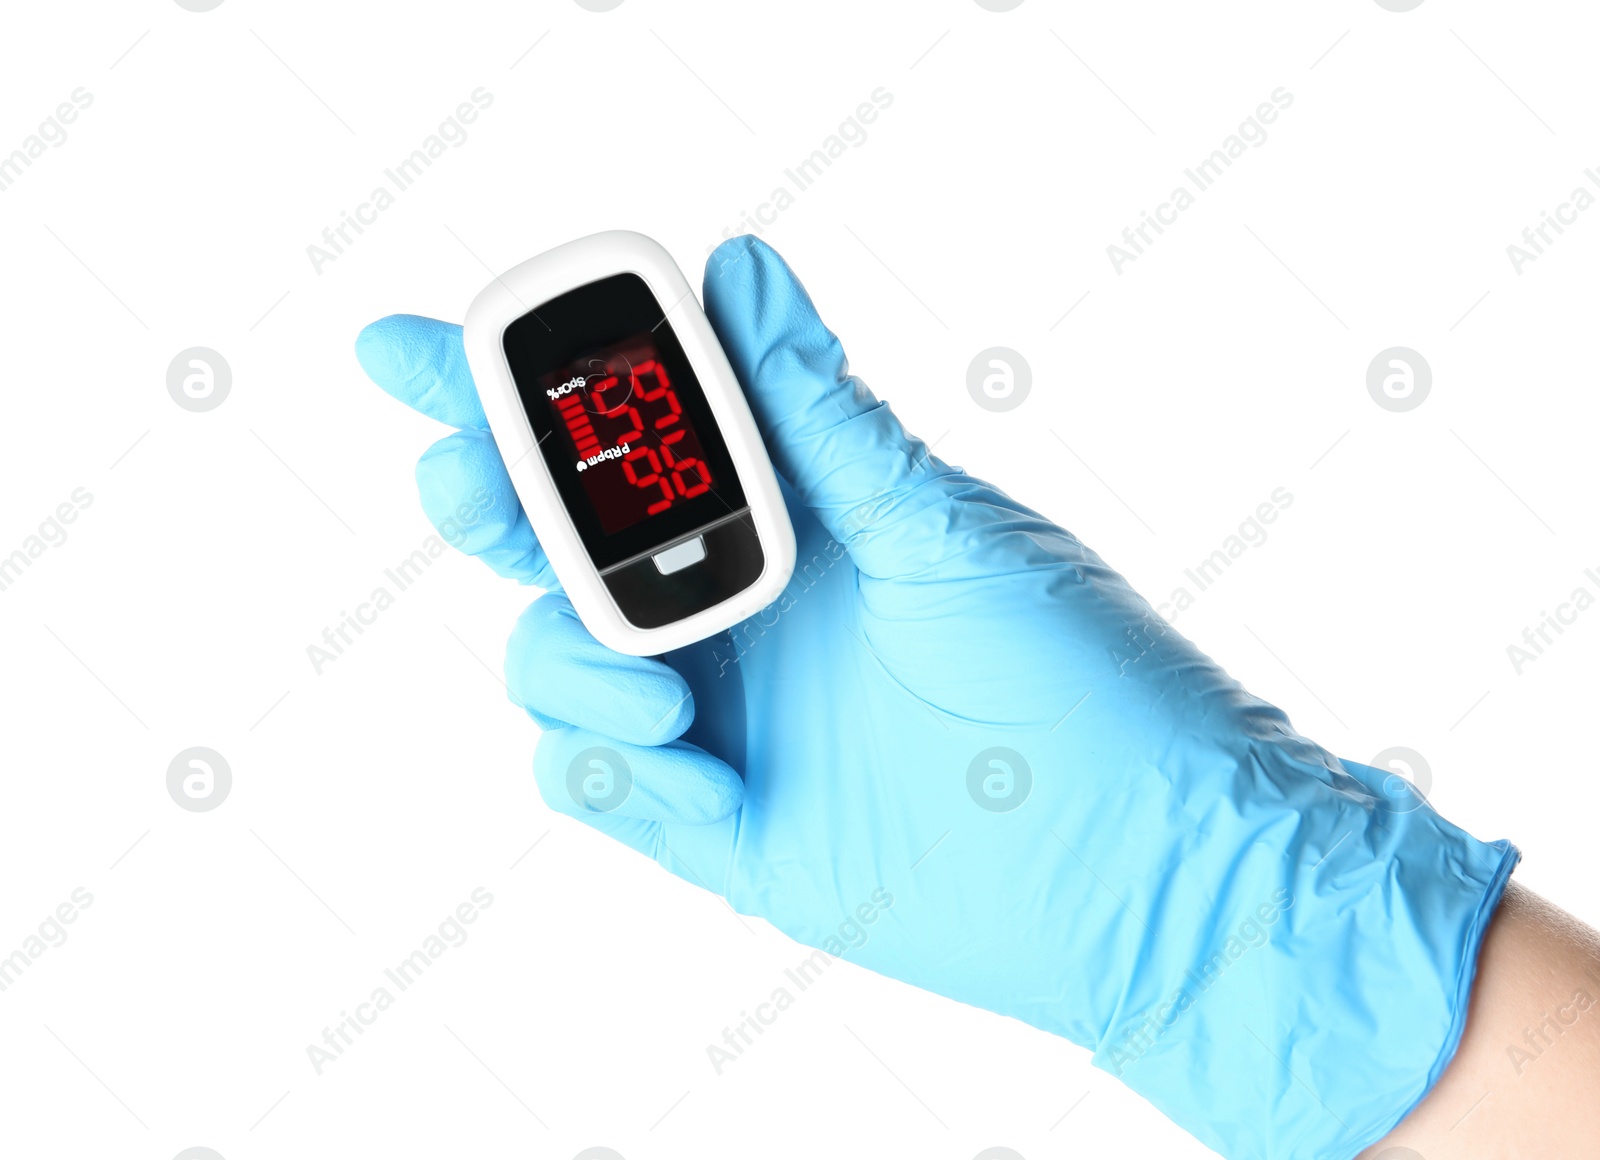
522	290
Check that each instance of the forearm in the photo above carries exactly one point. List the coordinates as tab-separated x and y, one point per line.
1524	1078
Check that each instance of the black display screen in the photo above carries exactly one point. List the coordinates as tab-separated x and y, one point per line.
620	419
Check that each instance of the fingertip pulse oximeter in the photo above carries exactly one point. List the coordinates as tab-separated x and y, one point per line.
630	443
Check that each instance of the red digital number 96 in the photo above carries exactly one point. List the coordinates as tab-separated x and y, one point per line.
677	477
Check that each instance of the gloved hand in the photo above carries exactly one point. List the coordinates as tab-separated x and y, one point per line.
963	752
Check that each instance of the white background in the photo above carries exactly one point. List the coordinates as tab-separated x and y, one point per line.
369	801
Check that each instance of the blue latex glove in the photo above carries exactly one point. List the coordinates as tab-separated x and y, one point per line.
964	752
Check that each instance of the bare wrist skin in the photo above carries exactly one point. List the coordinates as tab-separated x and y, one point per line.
1525	1080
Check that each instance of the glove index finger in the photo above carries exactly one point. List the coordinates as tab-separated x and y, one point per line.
467	494
423	363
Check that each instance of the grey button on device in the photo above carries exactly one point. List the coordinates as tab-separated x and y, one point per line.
680	556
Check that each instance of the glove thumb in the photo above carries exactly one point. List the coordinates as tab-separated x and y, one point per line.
845	454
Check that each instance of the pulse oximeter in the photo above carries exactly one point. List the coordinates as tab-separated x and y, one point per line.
630	443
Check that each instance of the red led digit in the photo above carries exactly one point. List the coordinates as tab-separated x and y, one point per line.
610	411
673	415
635	429
632	473
679	466
655	370
630	404
705	479
653	479
663	390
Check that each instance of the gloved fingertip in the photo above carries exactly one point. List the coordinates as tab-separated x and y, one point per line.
583	774
466	492
644	692
714	799
726	260
684	786
744	277
676	722
706	790
555	666
462	462
423	363
380	345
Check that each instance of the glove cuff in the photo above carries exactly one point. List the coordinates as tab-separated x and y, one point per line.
1325	991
